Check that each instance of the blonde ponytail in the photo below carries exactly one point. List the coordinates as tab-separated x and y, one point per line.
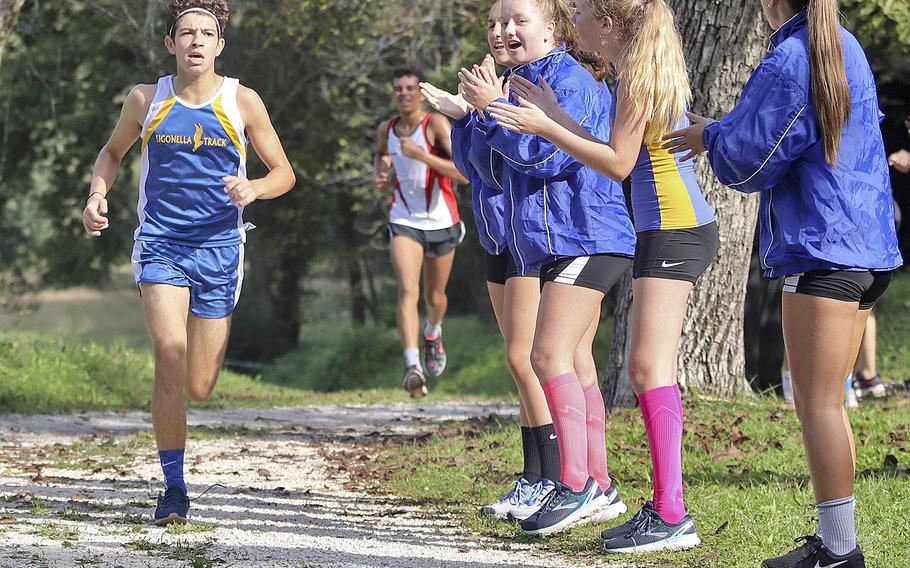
653	68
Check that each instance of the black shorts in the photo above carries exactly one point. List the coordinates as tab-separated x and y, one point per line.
435	243
676	254
597	272
502	266
865	286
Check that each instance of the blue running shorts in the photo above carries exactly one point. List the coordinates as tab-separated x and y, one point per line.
213	275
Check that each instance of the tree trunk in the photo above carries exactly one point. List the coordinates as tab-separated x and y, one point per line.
723	43
9	13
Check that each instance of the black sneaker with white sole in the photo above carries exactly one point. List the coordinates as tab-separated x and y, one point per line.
813	554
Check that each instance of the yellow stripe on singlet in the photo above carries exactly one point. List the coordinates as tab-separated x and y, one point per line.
676	208
218	107
162	113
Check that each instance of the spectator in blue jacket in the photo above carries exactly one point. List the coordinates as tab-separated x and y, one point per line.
514	297
573	224
806	136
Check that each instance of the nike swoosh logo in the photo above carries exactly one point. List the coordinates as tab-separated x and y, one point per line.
566	506
552	436
818	564
666	264
167	464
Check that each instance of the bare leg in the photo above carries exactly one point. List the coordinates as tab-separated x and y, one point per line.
819	333
522	297
658	313
436	277
865	360
166	309
407	258
585	367
207	342
561	327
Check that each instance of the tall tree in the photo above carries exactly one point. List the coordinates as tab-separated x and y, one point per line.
9	13
723	42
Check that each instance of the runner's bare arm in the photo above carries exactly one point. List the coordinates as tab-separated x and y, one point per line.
439	130
267	145
382	161
125	134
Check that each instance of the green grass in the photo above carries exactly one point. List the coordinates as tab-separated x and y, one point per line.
53	375
747	485
894	330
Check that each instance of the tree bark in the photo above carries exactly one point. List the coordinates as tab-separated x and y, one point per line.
723	43
9	14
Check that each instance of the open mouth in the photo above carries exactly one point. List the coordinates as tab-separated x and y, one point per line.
515	44
499	46
196	57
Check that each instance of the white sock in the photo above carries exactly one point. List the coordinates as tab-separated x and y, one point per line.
837	525
787	383
412	357
432	330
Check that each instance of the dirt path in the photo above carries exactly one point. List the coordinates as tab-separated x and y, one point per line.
75	491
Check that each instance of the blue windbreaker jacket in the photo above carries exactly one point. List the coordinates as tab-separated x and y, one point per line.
487	198
812	216
554	206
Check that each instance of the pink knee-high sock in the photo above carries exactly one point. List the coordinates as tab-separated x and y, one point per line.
566	401
661	409
597	438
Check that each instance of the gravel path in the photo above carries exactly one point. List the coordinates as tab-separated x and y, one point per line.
272	500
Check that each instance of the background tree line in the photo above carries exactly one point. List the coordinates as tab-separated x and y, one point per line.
323	68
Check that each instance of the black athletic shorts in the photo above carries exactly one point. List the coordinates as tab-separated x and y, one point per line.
863	286
675	254
598	272
435	243
502	266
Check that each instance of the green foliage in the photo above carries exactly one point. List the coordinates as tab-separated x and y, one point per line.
746	481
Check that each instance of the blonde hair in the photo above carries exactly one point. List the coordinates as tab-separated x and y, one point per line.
655	69
561	13
830	89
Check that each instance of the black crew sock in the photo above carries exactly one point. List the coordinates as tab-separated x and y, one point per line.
548	451
531	471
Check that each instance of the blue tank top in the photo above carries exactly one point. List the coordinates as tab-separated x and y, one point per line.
665	191
186	151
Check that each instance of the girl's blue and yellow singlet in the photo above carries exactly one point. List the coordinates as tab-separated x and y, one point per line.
665	191
186	151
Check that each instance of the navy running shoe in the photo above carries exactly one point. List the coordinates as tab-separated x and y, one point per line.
173	507
651	533
503	508
564	509
414	381
620	530
434	355
813	554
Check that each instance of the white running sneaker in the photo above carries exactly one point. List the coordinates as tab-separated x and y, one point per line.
533	500
511	500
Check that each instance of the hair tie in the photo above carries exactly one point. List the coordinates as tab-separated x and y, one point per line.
201	11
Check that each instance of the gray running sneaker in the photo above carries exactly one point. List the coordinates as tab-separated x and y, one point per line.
414	381
869	388
434	356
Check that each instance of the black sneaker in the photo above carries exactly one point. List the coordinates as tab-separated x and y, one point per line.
173	507
414	381
813	554
434	356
